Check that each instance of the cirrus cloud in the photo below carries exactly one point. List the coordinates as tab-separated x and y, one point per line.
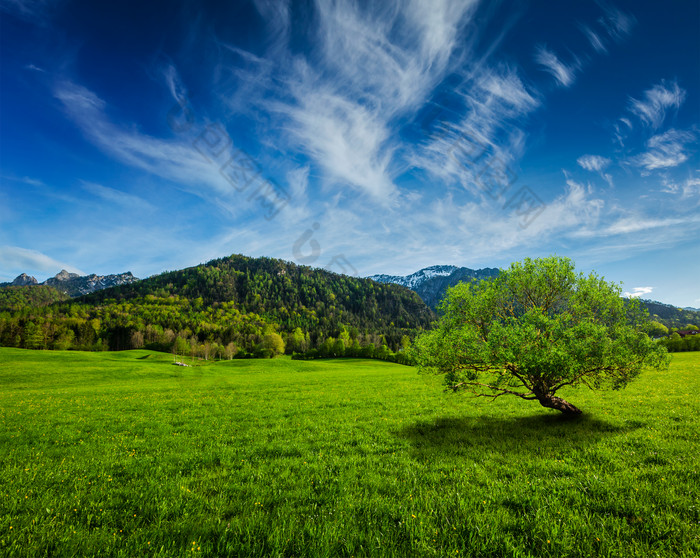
564	74
594	163
664	150
652	107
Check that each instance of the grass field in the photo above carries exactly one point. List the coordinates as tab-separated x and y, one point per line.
124	454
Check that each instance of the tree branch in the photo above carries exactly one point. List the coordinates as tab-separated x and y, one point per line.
586	373
512	370
502	391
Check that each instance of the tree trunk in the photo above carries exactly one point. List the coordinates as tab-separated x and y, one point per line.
553	402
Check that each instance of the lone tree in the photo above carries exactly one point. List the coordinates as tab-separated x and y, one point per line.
537	327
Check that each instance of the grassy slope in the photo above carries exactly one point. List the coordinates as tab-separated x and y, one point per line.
124	454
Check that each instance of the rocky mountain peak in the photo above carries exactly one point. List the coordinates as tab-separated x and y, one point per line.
64	275
24	279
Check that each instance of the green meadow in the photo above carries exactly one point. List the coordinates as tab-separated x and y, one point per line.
125	454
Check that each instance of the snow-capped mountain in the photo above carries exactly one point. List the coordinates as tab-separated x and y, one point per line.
431	283
416	279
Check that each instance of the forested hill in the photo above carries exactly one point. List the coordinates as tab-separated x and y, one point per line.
236	302
671	316
293	295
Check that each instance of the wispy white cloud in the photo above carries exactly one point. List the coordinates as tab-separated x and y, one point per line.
277	15
576	208
506	94
664	150
31	181
690	187
298	210
35	68
479	150
594	163
372	68
564	74
638	292
396	56
372	65
614	25
241	78
637	222
32	261
652	108
176	160
474	231
344	137
597	163
617	23
621	130
118	197
622	229
595	39
174	83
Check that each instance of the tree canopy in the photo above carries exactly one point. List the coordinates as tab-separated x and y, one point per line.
536	328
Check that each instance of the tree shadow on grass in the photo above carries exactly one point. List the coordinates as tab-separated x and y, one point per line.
530	434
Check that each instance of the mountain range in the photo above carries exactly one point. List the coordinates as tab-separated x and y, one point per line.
73	284
394	315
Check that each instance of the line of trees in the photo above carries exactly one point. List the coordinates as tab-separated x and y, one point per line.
674	343
184	327
672	340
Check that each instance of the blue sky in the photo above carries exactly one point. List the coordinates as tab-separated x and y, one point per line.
372	137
